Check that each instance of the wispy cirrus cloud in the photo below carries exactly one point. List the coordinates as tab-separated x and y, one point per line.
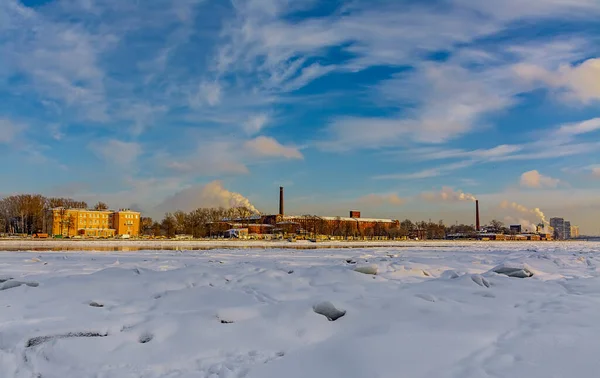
9	130
117	152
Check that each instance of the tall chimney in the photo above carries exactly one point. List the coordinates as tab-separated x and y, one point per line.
477	227
281	200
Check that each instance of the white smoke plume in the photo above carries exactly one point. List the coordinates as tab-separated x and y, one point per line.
522	209
212	194
526	226
448	194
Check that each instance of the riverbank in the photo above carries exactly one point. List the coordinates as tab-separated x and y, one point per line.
57	244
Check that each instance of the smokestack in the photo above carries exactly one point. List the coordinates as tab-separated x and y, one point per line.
281	200
477	216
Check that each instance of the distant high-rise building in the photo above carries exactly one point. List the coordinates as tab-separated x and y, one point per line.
567	230
558	224
574	232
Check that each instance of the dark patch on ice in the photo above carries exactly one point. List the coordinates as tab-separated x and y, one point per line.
350	261
4	279
137	271
290	271
328	310
35	341
96	304
145	338
223	321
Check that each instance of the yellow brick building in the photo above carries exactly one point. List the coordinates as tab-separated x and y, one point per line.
93	223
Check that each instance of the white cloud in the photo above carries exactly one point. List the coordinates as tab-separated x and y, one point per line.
119	153
448	101
375	199
209	93
428	172
143	115
256	123
9	130
265	146
534	179
448	194
212	194
60	59
580	82
578	128
211	157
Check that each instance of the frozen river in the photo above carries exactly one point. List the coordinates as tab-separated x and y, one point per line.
434	310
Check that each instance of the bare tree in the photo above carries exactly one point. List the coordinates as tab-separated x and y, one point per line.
168	225
145	225
101	206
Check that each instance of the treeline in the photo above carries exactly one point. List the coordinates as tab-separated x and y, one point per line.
205	222
198	223
27	213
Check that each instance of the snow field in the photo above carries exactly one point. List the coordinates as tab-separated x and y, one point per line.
428	311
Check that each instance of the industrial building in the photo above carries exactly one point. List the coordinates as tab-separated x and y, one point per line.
92	223
352	226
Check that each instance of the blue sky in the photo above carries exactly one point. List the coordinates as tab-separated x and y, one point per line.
391	107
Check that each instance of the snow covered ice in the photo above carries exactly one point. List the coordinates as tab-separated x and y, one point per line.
432	310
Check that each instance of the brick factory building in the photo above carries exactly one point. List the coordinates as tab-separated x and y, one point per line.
93	223
354	225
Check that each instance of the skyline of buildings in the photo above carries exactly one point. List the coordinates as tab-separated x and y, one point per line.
563	230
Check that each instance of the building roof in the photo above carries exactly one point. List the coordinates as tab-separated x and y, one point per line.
345	219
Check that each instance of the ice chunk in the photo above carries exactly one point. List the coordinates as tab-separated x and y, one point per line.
366	269
328	310
450	274
513	270
479	280
12	284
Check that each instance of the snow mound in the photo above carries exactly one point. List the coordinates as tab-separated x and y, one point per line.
367	269
479	280
450	274
328	310
10	284
513	270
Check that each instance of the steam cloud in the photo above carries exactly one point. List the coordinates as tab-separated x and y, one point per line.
215	190
526	225
522	209
448	194
212	194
